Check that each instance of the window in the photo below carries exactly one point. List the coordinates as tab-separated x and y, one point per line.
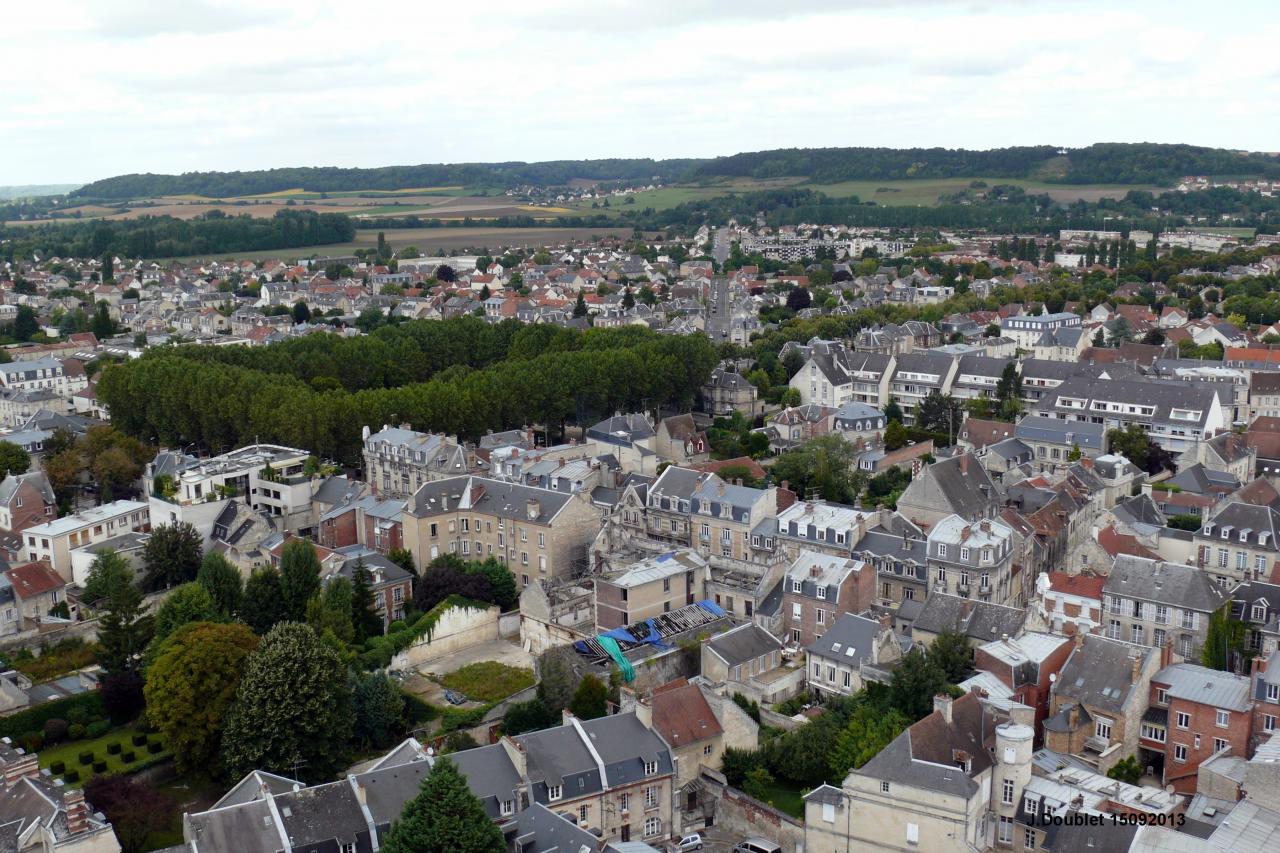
1006	792
554	792
624	802
1113	629
821	615
1005	833
1273	692
1260	563
1102	728
1155	733
942	574
796	586
831	675
846	679
884	787
542	540
652	826
1162	614
706	750
666	584
1029	804
1184	720
822	592
583	812
650	768
1138	633
1219	744
508	807
797	611
1269	723
1162	696
1179	752
1258	613
913	833
964	554
1222	719
1158	638
942	550
650	797
829	812
1197	742
1029	838
1222	558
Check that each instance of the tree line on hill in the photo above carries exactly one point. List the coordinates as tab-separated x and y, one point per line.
167	236
550	379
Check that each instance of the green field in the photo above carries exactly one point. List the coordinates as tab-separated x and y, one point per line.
69	754
488	681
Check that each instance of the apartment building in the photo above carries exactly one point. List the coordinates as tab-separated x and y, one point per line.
53	541
1195	713
700	510
849	654
43	374
398	461
1154	603
916	376
971	559
1238	543
26	500
817	588
1175	415
538	533
1027	329
834	375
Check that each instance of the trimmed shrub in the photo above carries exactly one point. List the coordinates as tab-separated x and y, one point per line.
155	747
57	767
129	757
113	749
139	740
75	731
32	741
78	716
71	777
99	767
87	757
98	729
55	730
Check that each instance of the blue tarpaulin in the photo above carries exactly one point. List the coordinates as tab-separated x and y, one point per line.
653	637
712	608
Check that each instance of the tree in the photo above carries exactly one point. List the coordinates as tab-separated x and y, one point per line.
1099	338
1074	454
1131	442
191	684
108	268
122	697
301	313
628	299
106	571
136	809
791	397
125	628
299	578
580	307
330	609
190	602
103	326
939	413
25	323
870	729
826	464
799	299
444	818
365	621
222	581
915	682
557	679
502	584
530	716
895	436
1127	770
758	784
443	579
378	704
950	652
13	459
403	558
445	273
292	708
591	699
172	555
892	411
1009	386
262	606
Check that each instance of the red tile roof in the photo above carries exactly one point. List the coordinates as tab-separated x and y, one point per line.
681	714
1085	586
33	579
1116	543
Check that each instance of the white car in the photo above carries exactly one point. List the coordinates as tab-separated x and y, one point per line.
690	842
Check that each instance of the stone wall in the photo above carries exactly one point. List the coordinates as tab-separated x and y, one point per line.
457	628
744	816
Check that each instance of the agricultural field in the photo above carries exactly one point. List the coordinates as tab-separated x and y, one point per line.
926	191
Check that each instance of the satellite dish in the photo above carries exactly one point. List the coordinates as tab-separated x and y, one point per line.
1053	676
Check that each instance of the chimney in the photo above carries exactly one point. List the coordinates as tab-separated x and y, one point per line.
886	621
566	717
1136	666
1079	638
515	752
942	704
964	464
77	811
533	509
19	766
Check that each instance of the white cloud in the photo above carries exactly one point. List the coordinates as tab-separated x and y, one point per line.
96	89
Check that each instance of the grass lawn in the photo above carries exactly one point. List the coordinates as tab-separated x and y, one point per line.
488	681
69	754
785	798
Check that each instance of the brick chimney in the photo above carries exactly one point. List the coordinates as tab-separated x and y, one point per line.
942	704
77	811
18	765
1136	666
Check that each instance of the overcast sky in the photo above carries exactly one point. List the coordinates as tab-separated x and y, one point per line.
91	89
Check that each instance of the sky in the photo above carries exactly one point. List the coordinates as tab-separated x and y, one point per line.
91	89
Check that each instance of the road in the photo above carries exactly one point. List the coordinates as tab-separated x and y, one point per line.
719	312
720	246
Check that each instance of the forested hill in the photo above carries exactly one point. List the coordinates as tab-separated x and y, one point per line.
333	179
1104	163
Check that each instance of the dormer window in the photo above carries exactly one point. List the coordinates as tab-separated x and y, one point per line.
942	550
554	792
1258	613
1208	529
822	592
964	553
796	586
650	768
1244	535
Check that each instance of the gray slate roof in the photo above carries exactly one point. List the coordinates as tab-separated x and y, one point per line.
1175	584
744	643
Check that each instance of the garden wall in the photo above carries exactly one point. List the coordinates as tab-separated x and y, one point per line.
457	628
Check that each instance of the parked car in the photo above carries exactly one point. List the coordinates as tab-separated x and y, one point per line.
690	842
756	845
454	698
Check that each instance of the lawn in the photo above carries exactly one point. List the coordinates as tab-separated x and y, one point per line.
69	754
785	798
488	681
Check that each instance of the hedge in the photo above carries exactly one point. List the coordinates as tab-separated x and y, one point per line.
139	740
33	719
57	767
97	728
87	757
71	777
99	767
129	757
113	749
155	747
380	650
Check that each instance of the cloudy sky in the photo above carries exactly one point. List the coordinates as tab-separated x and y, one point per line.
91	89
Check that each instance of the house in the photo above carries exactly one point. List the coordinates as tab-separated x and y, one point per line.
680	714
1057	443
979	621
53	541
1098	701
726	392
818	588
1026	666
1154	603
858	420
1195	713
39	814
979	433
36	589
653	586
955	486
1070	603
679	440
743	659
390	583
795	425
1027	330
833	375
850	653
26	500
398	460
972	559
